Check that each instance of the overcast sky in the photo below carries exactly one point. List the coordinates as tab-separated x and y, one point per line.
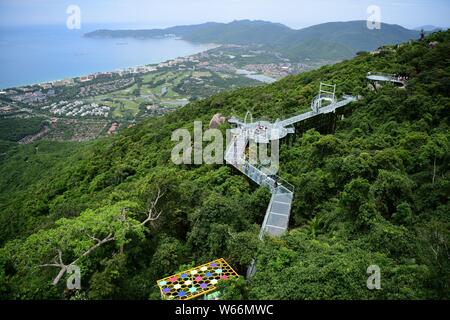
163	13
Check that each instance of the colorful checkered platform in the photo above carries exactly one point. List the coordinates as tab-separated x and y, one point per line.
196	282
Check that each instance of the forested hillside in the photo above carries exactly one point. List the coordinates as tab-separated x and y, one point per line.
331	41
371	188
13	130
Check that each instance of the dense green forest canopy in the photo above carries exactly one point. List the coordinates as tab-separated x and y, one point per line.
370	190
13	130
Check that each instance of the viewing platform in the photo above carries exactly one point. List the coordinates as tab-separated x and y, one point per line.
385	77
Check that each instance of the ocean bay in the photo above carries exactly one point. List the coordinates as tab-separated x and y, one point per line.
40	54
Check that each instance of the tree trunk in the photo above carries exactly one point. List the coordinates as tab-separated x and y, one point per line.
434	170
60	275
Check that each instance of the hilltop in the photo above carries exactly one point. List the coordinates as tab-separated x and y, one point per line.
332	41
372	187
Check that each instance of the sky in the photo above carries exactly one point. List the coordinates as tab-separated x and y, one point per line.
164	13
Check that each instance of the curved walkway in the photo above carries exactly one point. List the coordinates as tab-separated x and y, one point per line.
385	77
276	220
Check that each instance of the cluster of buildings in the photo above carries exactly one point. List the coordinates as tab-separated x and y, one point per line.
273	69
221	67
105	87
135	70
155	109
90	77
42	95
179	61
5	109
203	60
120	72
77	109
58	83
33	97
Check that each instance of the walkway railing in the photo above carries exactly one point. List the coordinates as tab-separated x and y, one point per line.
381	76
346	99
258	176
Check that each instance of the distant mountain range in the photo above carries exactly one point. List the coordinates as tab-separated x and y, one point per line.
329	41
428	28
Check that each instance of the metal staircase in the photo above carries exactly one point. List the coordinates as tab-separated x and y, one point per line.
277	216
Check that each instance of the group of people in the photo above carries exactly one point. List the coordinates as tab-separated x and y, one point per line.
260	129
402	78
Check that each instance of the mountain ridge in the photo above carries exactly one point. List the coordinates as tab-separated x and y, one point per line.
314	42
428	28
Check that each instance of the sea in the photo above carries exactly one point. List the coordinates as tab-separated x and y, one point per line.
30	55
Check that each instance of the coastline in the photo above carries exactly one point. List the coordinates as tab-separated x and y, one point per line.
46	54
209	46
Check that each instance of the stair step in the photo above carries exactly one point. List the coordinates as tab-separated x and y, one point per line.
278	221
274	231
283	197
281	207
